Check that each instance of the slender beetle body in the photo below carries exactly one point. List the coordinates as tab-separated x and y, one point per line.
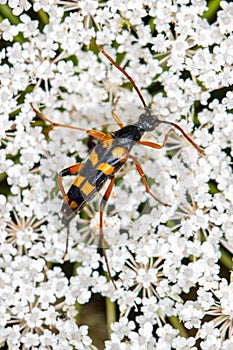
104	161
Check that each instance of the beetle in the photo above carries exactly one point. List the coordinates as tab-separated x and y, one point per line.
107	158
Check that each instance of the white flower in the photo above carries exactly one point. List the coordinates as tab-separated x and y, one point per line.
8	31
225	18
181	343
146	278
191	315
19	6
123	327
166	334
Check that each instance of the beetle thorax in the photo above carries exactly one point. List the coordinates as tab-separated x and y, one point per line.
128	135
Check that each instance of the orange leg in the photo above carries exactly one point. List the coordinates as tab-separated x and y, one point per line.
101	232
73	169
141	173
139	168
156	145
94	133
117	119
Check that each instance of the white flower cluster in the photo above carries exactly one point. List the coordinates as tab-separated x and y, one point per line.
171	264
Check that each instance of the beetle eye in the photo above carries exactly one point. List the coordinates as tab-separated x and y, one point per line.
156	120
142	117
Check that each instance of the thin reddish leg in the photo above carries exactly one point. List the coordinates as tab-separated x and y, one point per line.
156	145
101	232
115	116
94	133
73	169
141	173
139	168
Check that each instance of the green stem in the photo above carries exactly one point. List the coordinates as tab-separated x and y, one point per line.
213	6
43	17
177	325
6	12
226	259
110	314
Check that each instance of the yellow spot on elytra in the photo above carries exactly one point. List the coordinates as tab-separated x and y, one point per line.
79	179
121	153
107	142
94	157
87	188
73	205
106	168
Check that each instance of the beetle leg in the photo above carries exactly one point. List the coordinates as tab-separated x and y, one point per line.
156	145
101	232
94	133
114	115
143	177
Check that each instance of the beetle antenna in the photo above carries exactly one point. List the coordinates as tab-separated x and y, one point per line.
144	103
125	73
185	135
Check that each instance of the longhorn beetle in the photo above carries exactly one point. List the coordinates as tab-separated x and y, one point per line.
106	159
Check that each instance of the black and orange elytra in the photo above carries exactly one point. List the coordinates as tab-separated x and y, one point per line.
106	159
